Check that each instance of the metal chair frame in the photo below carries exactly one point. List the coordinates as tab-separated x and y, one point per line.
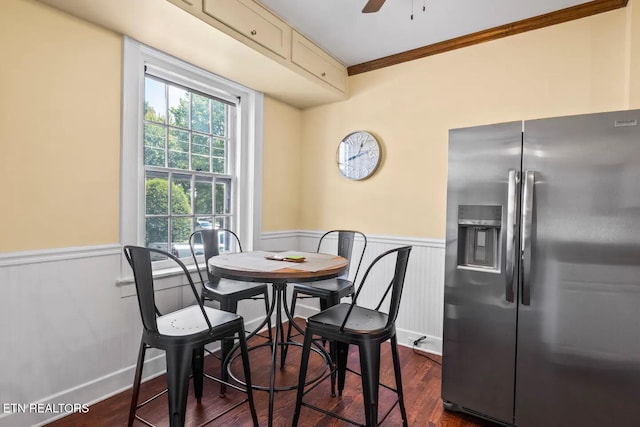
329	292
349	324
228	293
184	351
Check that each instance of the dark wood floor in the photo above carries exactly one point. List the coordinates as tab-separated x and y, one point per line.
421	378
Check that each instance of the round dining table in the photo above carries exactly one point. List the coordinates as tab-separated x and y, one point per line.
279	269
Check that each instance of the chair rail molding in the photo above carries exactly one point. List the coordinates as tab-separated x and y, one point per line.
57	254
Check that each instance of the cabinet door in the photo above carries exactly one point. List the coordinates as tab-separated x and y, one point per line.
312	59
253	21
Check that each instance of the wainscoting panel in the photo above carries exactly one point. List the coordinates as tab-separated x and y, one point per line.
71	333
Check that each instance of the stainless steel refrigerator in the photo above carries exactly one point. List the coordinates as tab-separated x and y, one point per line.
542	282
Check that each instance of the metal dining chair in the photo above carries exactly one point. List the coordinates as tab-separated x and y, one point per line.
182	334
367	328
331	291
226	292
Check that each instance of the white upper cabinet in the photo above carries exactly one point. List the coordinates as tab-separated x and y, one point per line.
253	21
311	58
255	26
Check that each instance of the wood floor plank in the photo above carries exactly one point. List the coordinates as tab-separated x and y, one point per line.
421	384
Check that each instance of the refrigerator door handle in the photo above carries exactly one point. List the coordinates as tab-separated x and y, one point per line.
525	240
512	212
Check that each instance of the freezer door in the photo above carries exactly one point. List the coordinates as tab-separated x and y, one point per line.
579	320
480	300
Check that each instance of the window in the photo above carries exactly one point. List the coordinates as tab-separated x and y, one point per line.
191	152
189	139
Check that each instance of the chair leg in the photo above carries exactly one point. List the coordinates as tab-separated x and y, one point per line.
370	366
266	310
333	351
306	349
136	384
244	351
285	347
197	368
398	375
343	354
178	365
226	344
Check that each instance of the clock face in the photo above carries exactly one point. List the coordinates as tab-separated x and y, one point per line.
358	155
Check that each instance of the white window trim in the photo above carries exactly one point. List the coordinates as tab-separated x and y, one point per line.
248	161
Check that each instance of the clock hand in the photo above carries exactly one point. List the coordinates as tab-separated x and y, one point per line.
356	156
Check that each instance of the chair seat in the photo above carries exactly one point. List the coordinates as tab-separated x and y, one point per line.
189	321
338	287
361	320
228	287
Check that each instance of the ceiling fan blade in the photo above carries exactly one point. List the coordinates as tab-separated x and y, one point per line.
373	6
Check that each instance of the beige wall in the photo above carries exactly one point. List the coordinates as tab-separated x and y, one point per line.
577	67
59	129
282	183
60	125
633	27
60	134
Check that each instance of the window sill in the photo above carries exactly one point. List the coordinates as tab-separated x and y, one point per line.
127	288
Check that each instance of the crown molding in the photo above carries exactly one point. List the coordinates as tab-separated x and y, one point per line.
534	23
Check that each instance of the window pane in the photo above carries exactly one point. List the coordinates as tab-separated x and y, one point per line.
204	223
154	137
153	156
200	153
204	197
219	156
219	118
155	102
178	107
180	231
178	149
200	113
200	163
222	222
200	144
157	195
223	196
181	195
157	232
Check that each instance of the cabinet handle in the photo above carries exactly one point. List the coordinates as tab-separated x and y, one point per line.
254	32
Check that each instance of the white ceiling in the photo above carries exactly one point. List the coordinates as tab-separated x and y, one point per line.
354	37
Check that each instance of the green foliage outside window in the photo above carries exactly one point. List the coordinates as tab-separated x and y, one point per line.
157	199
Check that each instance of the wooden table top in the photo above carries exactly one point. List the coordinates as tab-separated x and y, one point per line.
253	266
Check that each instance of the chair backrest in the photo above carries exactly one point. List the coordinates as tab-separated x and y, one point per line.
395	286
211	241
139	259
346	239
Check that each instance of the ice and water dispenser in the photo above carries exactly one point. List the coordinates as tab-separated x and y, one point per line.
479	237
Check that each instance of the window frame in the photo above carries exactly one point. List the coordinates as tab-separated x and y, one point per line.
247	156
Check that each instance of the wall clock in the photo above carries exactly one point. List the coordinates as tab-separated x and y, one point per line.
358	155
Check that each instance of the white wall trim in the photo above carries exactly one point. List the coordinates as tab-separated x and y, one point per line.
372	238
57	254
287	234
